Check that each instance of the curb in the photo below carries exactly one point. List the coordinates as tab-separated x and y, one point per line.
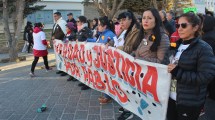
6	60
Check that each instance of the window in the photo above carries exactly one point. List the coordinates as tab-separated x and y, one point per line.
44	16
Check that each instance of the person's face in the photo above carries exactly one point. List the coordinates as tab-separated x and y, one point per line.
70	17
125	23
56	17
148	21
79	23
100	27
161	15
185	29
94	22
169	16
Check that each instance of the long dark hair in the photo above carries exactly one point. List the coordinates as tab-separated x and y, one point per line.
156	31
194	20
104	21
129	14
94	26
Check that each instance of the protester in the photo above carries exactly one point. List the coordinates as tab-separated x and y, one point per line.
82	35
39	48
151	44
59	28
71	19
192	67
170	18
125	41
95	26
28	37
84	31
167	25
106	36
58	32
70	36
209	37
106	32
129	32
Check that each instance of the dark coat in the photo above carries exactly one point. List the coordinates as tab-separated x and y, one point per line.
28	33
83	34
195	69
57	32
75	25
168	27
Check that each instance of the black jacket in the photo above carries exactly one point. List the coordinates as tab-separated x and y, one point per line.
58	32
195	69
83	34
168	27
209	37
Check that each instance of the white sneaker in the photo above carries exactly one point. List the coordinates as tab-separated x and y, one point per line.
31	74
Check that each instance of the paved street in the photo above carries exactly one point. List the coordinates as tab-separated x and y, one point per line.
20	96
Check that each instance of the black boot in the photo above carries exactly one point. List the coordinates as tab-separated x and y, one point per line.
63	74
85	87
59	72
71	79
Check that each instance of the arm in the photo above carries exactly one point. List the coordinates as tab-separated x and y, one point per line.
205	69
43	38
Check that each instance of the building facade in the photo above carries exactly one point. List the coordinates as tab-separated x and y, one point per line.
210	5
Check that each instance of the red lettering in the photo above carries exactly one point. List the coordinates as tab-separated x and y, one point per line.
99	84
111	67
103	59
89	57
117	60
81	54
97	59
120	94
110	88
153	76
137	75
130	68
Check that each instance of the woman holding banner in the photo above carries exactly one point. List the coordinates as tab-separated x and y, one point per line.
193	67
82	35
106	36
151	45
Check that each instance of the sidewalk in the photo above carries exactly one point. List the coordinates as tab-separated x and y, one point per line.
21	96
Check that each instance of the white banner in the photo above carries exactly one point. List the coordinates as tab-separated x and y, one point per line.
139	86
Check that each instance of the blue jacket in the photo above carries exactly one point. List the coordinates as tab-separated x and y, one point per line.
103	37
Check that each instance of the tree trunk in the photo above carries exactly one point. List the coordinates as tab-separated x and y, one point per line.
115	8
154	4
17	23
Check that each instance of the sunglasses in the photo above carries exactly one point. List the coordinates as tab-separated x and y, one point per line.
183	25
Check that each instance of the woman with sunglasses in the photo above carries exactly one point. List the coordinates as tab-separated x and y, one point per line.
82	35
192	67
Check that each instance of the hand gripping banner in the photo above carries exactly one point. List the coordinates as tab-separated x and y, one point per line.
139	86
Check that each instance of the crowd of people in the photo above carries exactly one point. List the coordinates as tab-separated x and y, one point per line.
186	44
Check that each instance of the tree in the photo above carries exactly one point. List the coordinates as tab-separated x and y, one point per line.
16	10
111	7
106	7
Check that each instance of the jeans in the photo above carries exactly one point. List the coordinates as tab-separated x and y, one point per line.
107	96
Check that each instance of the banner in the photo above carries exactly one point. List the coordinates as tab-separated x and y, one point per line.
139	86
